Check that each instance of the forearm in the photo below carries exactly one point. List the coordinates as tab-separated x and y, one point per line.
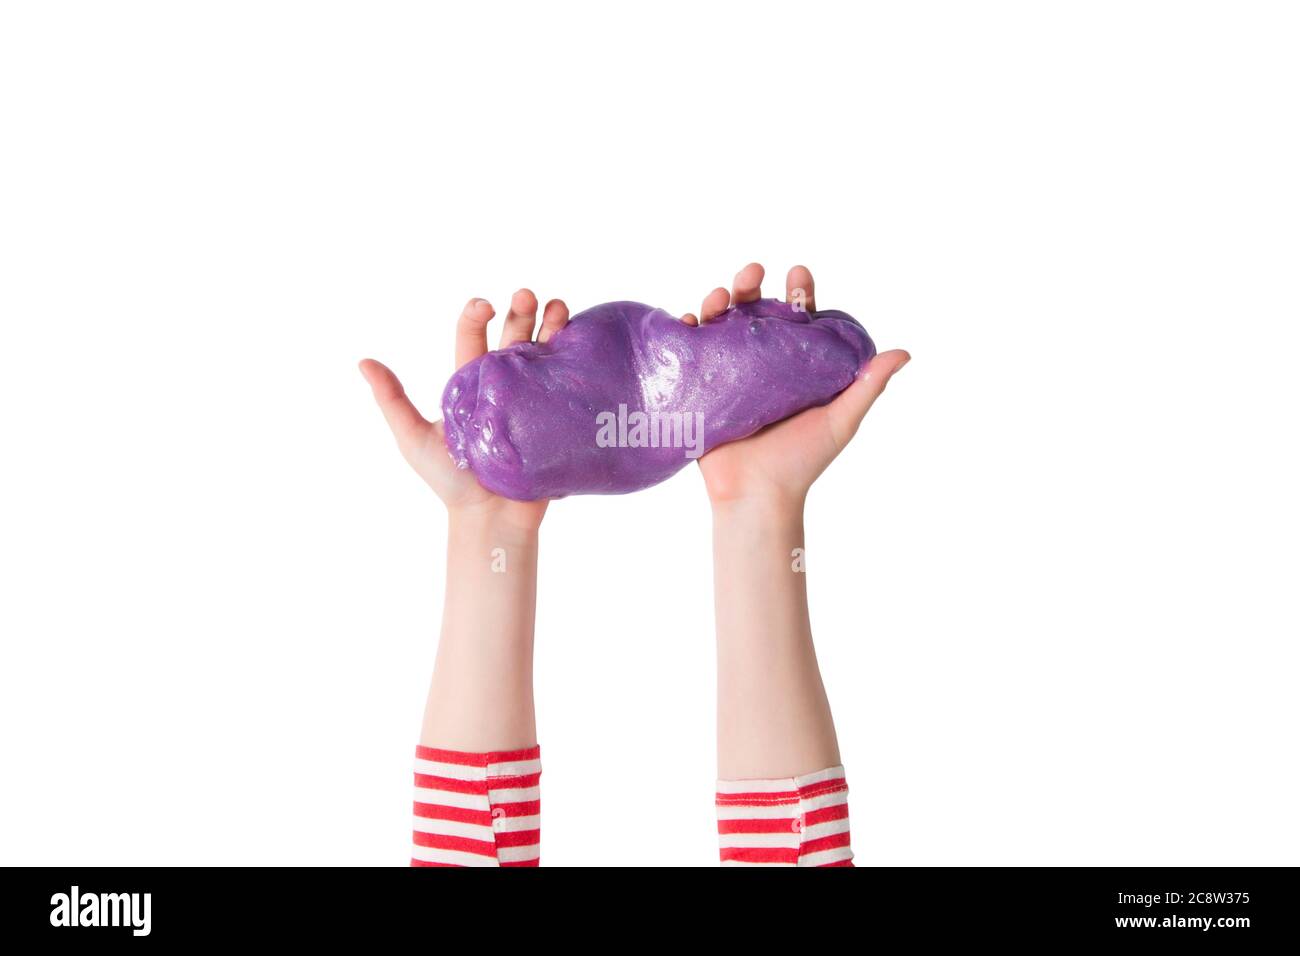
481	694
773	716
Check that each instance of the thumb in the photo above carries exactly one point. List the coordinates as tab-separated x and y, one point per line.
851	405
407	424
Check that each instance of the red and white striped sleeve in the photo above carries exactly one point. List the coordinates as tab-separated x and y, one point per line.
477	809
786	821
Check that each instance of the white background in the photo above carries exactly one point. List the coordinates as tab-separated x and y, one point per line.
1053	580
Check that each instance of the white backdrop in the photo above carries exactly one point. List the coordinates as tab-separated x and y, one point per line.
1053	580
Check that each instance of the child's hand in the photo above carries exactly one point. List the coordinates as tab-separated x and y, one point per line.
776	466
421	441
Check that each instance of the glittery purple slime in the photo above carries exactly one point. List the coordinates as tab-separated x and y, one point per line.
625	395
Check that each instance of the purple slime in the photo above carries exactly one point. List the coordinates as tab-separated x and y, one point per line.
561	418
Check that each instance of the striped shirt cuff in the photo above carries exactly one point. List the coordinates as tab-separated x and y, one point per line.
785	821
477	809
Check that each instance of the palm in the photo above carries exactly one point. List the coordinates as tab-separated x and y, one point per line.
457	487
783	458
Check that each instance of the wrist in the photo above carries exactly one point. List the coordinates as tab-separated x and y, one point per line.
769	509
488	522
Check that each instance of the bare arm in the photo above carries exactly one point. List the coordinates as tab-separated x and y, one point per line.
481	692
773	716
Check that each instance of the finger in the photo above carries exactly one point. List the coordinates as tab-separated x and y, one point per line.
852	404
715	303
471	330
520	320
799	288
408	426
690	318
746	285
554	317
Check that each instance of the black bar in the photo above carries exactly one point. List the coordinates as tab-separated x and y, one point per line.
1225	907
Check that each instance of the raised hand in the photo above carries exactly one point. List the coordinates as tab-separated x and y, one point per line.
780	463
421	441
